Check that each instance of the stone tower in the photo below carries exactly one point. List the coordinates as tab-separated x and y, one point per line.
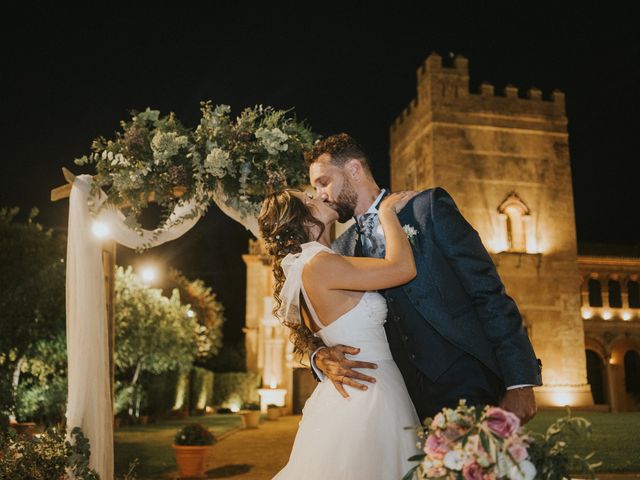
505	161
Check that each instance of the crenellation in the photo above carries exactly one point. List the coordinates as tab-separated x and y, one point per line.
557	96
487	90
534	94
511	91
461	64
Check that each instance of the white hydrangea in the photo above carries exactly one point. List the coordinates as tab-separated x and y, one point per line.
273	140
167	144
216	162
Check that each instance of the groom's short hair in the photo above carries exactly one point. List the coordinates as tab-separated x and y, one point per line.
341	147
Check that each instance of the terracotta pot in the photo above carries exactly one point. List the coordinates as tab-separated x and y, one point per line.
25	428
191	459
273	413
251	418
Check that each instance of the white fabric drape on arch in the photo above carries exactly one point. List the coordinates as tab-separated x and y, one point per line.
89	400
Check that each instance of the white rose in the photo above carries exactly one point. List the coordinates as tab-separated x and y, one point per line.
526	471
454	459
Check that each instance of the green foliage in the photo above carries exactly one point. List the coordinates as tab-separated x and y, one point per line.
42	391
194	434
153	333
236	387
230	358
548	451
32	296
238	159
45	457
208	312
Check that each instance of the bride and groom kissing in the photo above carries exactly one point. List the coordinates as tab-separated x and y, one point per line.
402	315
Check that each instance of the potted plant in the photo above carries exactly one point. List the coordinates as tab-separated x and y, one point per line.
192	445
273	411
251	414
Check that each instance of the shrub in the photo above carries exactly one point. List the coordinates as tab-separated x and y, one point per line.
45	457
236	387
194	434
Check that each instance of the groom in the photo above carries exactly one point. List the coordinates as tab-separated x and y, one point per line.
453	330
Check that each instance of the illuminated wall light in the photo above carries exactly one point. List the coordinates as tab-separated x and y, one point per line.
148	274
626	316
606	315
273	383
100	229
587	313
191	313
562	399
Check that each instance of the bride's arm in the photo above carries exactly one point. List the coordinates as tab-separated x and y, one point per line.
362	274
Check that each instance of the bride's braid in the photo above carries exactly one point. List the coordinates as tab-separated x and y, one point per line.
282	221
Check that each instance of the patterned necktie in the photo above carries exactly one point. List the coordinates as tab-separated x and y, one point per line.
372	244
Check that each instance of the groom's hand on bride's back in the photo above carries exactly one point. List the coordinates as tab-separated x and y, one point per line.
339	369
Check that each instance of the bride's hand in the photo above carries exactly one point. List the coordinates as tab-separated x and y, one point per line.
396	201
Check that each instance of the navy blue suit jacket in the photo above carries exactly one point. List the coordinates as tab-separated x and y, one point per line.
457	290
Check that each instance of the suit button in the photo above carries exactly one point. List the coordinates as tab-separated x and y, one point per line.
413	356
405	337
396	318
391	299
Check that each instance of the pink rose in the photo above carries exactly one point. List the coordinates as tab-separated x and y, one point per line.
436	472
502	422
518	451
473	471
436	446
438	421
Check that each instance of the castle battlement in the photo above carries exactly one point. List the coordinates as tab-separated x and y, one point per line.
442	87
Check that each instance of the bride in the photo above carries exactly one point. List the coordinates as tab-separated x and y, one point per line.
319	293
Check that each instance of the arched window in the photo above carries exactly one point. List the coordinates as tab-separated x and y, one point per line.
632	371
595	376
615	294
516	224
595	293
634	293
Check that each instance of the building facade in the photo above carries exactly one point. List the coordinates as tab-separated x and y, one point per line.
505	161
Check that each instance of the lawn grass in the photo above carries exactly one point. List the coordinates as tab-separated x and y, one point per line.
614	439
151	444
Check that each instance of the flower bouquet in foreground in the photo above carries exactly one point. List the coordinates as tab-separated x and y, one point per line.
467	443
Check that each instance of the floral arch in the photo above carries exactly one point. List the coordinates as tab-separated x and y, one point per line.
230	162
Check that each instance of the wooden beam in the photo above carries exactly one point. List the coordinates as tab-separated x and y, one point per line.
64	191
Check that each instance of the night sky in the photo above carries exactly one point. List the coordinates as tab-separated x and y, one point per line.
69	75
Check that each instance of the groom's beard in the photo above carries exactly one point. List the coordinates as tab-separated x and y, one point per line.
345	204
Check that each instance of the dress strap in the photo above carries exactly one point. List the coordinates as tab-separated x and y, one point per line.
312	310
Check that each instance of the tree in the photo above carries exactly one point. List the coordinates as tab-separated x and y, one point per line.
154	333
208	312
32	295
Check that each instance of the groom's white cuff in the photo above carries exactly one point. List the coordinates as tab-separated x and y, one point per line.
313	364
513	386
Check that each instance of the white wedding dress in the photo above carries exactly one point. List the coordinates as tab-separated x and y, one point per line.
362	437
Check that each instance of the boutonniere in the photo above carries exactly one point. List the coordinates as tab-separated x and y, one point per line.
411	233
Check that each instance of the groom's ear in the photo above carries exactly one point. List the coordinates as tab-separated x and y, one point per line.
353	168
